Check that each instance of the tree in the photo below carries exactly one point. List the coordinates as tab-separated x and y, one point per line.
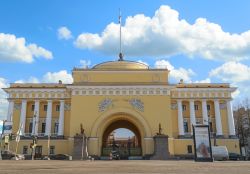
242	123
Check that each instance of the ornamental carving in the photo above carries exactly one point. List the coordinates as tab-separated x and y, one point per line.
137	104
104	104
17	106
67	107
174	106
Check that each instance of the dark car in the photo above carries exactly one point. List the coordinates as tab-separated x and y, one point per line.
59	157
8	155
234	156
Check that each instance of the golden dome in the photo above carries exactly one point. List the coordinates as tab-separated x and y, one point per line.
121	65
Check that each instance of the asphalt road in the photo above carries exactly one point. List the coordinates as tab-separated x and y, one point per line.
108	167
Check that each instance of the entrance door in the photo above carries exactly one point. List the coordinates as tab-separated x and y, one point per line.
122	138
38	152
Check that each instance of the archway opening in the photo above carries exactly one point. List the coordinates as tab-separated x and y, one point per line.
122	138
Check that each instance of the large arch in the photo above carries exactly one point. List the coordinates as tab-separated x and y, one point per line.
121	124
120	113
116	114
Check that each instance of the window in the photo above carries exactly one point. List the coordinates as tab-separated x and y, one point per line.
189	148
196	107
30	127
211	126
184	107
56	128
185	126
25	150
52	150
208	107
32	107
43	127
57	107
45	107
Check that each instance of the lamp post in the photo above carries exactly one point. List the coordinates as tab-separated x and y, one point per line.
34	138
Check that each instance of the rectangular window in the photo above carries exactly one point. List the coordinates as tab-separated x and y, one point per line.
56	128
208	107
43	127
184	107
52	150
196	107
185	126
25	150
58	108
32	107
189	148
45	107
30	127
211	126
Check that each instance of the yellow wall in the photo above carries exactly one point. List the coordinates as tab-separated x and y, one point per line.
120	76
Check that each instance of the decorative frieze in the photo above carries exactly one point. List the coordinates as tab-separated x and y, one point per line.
30	93
120	90
200	93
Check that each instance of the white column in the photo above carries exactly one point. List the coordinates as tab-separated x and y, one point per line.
23	116
180	118
61	119
192	113
36	121
204	112
217	117
48	118
10	110
230	119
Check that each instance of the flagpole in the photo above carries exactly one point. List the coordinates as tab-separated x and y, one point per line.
120	22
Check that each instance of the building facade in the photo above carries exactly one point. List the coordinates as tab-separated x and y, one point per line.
119	94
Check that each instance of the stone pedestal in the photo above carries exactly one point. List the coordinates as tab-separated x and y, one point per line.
161	151
79	148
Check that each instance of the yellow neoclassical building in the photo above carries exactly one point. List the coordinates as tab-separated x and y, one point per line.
119	94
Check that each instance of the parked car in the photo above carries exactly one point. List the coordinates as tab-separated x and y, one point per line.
9	155
60	157
220	153
234	156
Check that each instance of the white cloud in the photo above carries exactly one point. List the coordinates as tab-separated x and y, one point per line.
15	49
141	61
64	33
50	77
235	73
232	71
207	80
175	75
3	99
30	80
165	34
54	77
85	63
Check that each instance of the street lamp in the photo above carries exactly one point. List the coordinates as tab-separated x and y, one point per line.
34	138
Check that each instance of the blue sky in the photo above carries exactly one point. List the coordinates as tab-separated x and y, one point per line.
199	41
